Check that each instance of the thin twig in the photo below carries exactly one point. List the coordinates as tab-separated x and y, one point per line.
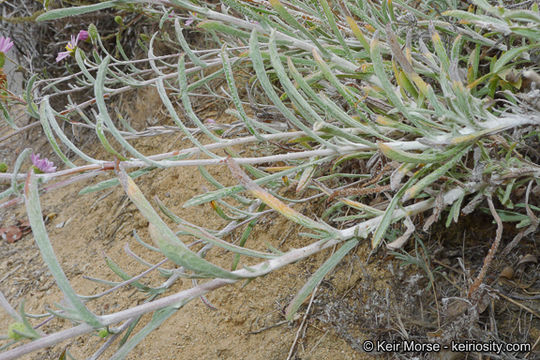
111	339
127	282
20	130
10	273
508	298
268	327
291	351
533	347
9	309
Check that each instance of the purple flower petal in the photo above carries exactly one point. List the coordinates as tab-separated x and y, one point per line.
62	55
82	36
5	44
190	20
72	43
43	165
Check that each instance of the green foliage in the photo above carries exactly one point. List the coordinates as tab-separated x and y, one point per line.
430	100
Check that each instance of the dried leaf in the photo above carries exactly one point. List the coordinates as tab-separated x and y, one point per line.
529	258
507	272
483	302
398	175
400	241
456	308
11	233
439	206
24	226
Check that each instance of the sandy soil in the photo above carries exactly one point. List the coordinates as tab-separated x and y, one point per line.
358	301
84	229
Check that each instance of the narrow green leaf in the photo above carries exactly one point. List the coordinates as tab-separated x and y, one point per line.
7	116
35	218
408	157
104	113
433	176
80	59
158	318
166	239
221	213
228	191
48	133
125	276
332	22
275	203
220	27
32	107
439	49
185	46
113	182
245	236
206	175
76	10
358	33
258	65
317	277
129	330
454	212
101	136
186	102
291	20
511	55
388	216
481	20
207	237
234	93
49	113
16	168
523	15
29	331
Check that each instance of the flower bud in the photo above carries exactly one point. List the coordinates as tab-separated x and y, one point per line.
16	326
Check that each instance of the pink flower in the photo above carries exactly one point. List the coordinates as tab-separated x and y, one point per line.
42	165
72	45
5	44
82	35
190	19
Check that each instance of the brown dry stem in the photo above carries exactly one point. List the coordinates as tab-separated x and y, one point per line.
491	253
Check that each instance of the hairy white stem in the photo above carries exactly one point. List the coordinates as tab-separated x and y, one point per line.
501	124
402	145
361	230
